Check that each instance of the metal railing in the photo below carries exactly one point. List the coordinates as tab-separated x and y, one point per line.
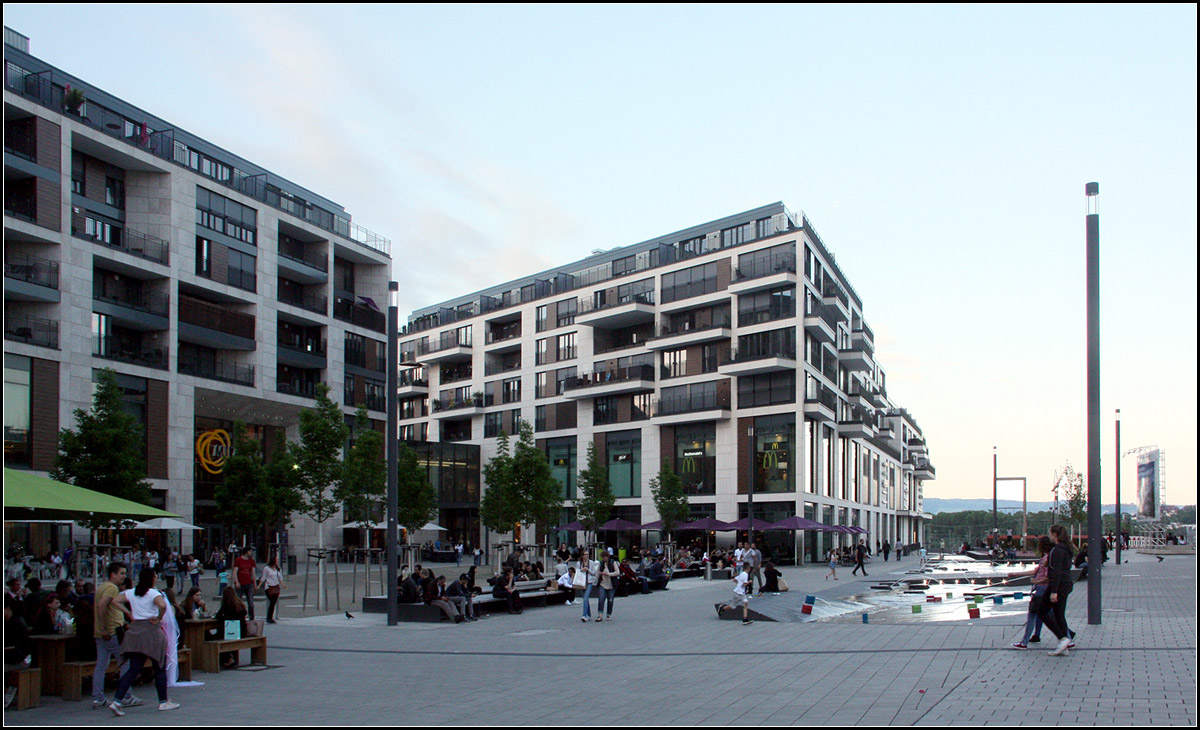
452	404
494	336
669	331
311	346
32	269
608	377
125	239
303	388
155	303
692	402
318	303
749	354
216	369
360	315
152	357
20	140
774	264
294	250
586	307
213	317
31	330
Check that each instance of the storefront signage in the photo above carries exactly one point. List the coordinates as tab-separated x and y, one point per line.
213	447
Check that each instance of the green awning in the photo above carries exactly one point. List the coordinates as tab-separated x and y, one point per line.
30	497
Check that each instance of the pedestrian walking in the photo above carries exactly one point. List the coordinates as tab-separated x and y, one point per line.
1058	588
860	554
754	558
1041	577
887	548
245	573
109	623
272	581
832	556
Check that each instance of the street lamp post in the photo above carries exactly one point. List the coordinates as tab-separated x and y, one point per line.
1118	515
393	453
1092	191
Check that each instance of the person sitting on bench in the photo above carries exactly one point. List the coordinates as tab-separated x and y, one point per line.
503	588
658	576
435	590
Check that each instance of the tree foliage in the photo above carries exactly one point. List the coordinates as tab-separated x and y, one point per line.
596	498
669	497
104	452
318	456
541	493
1073	495
416	496
500	507
364	481
256	496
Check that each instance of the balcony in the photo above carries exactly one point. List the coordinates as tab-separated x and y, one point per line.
30	330
359	314
609	382
770	273
820	404
130	306
296	296
448	348
671	339
302	388
922	468
817	325
132	352
125	239
226	371
861	395
301	352
30	278
865	337
301	262
834	297
458	407
410	385
211	325
624	312
859	423
856	358
756	362
504	340
917	447
692	407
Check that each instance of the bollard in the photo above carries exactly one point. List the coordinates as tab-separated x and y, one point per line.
864	618
806	608
949	594
810	600
978	600
998	600
916	608
973	612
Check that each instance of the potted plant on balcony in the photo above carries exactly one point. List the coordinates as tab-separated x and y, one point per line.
73	99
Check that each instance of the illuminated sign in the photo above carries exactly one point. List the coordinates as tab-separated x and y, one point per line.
213	448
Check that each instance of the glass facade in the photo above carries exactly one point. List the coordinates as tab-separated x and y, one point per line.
696	458
774	449
17	389
624	457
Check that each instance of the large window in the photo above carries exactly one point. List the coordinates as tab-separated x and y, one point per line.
218	213
566	346
567	309
774	452
696	458
766	389
17	388
766	306
624	450
689	282
562	455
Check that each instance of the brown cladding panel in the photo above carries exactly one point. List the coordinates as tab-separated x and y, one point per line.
43	414
723	274
48	204
743	447
49	144
566	414
157	425
666	440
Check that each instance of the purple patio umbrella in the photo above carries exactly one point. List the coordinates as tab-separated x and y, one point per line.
797	523
575	526
620	524
706	523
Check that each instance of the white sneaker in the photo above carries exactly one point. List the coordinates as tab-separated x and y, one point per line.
1061	649
168	705
116	709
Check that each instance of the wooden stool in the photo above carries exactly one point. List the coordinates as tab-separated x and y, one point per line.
29	689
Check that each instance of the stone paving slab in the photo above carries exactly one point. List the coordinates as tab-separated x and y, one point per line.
667	659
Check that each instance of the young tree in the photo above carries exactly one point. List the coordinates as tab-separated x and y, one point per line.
669	499
596	498
104	454
1074	495
239	496
540	493
417	497
500	508
318	457
364	482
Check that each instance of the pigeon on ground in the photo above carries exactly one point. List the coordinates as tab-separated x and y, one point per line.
348	615
1159	558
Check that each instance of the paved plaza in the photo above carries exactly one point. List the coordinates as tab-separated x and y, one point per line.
666	659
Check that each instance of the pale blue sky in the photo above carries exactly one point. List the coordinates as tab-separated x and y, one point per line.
940	151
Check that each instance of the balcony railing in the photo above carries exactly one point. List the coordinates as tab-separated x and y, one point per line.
824	396
303	388
297	251
125	239
494	336
359	314
318	303
776	264
307	346
453	404
216	369
495	368
831	289
608	377
749	354
47	88
683	329
213	317
31	330
151	357
20	140
586	307
20	204
32	269
155	303
669	406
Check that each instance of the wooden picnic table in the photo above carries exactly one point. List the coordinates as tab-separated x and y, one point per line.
51	653
194	630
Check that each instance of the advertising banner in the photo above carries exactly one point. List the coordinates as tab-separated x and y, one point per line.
1149	474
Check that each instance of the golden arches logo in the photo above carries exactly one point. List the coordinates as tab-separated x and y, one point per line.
213	448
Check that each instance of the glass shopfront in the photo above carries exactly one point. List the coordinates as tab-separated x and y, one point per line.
696	458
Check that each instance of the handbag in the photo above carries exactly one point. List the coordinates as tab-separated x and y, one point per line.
273	591
783	586
233	630
580	580
254	627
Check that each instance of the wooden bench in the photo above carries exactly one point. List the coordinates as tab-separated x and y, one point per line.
29	689
75	672
210	652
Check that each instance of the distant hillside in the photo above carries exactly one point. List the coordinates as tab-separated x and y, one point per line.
934	505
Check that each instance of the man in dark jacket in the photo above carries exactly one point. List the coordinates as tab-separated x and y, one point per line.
1054	606
860	555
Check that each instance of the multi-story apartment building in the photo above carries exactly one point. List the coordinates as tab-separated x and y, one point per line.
214	288
735	350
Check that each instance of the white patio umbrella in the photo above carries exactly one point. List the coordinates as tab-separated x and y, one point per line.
166	523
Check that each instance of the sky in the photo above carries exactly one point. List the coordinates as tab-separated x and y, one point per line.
941	151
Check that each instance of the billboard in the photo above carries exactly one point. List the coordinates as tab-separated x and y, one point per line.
1149	480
